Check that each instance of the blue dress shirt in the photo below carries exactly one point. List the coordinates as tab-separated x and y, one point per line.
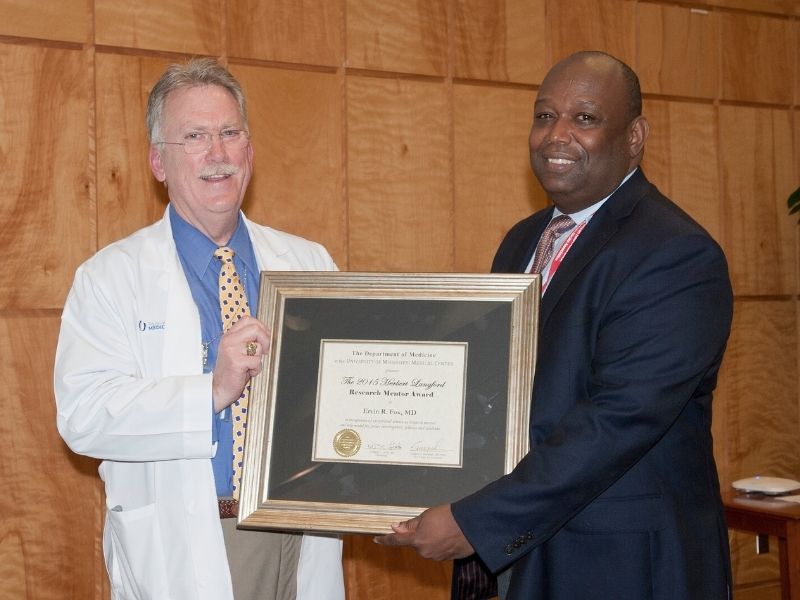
201	268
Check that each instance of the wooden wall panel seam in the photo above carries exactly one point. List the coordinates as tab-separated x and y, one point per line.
148	52
275	64
451	128
359	72
699	6
341	73
90	54
13	40
509	85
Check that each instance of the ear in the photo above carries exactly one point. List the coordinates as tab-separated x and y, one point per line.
638	130
156	164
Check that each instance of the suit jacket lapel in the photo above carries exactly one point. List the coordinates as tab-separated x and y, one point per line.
524	252
601	228
597	233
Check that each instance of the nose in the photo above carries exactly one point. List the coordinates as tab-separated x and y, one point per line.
559	131
216	148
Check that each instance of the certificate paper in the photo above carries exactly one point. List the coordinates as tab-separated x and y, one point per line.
390	402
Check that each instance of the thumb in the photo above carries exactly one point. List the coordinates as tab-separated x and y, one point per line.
406	526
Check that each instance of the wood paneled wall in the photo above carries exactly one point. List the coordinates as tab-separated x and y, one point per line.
394	132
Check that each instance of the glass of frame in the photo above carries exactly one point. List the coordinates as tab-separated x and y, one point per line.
384	394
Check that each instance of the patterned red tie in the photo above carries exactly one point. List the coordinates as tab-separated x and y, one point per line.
544	249
233	306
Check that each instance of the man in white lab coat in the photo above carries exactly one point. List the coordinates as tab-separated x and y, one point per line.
145	376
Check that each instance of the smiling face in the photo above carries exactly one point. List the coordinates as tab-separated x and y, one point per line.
583	140
206	189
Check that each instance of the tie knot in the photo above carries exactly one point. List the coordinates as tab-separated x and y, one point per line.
561	224
544	249
224	253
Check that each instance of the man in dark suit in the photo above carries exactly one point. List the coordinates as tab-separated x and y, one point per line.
619	497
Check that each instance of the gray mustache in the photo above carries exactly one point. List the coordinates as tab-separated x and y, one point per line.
222	169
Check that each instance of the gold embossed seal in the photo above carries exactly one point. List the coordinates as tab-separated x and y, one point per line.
347	443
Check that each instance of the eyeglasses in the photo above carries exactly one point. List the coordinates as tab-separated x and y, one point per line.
197	142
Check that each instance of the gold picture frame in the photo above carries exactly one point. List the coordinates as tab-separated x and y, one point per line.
292	480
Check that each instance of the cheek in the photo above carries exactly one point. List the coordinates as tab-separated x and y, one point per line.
181	165
595	148
247	165
535	137
535	140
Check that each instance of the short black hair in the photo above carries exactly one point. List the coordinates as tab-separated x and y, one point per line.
630	80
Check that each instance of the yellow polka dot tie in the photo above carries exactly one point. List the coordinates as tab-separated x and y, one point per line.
233	306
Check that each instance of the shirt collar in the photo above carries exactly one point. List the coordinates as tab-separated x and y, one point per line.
586	213
197	250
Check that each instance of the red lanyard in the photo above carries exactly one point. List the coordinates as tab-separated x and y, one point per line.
562	252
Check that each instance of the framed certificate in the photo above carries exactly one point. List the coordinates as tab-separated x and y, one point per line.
384	394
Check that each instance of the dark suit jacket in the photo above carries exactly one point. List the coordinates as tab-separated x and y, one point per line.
619	497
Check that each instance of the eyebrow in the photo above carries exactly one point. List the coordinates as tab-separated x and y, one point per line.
580	102
224	126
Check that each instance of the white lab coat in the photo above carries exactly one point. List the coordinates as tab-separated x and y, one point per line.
130	390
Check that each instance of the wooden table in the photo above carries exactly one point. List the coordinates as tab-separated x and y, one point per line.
760	514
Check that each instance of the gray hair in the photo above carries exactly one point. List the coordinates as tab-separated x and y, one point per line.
197	72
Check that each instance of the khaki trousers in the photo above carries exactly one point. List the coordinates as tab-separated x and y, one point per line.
263	564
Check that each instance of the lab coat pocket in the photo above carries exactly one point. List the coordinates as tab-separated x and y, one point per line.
134	556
